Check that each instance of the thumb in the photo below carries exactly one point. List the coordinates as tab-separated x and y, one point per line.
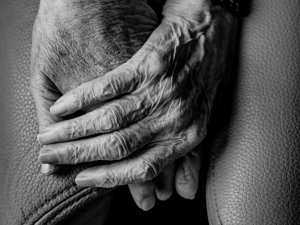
45	94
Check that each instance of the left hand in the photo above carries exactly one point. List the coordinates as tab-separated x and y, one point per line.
165	93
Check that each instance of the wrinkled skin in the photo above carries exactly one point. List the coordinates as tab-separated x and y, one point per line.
86	41
158	101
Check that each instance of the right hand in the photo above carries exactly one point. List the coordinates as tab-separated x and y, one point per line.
75	43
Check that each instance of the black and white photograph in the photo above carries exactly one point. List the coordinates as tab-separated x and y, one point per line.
149	112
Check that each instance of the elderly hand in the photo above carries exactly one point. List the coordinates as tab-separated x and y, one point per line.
66	54
151	110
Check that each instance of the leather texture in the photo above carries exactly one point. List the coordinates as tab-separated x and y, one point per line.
255	160
254	172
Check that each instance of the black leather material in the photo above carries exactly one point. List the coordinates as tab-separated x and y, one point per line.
255	162
254	173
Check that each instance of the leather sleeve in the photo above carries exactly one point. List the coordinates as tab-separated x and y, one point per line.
254	171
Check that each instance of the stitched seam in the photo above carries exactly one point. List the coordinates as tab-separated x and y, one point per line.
47	202
214	190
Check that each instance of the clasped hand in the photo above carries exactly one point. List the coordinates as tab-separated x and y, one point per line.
146	113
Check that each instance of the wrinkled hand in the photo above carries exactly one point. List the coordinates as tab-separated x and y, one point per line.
154	108
66	54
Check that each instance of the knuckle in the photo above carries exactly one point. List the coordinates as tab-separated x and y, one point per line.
73	129
71	154
120	145
111	118
82	126
78	153
153	64
108	180
196	134
148	171
111	178
83	96
110	86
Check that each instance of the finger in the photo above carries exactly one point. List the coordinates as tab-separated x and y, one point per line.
111	146
187	174
143	194
113	116
44	93
164	183
115	83
142	168
132	170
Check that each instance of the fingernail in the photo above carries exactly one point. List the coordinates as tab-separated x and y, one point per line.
48	136
58	109
38	139
163	196
84	181
48	156
46	169
42	138
148	203
39	136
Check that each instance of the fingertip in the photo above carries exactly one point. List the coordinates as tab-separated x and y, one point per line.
84	181
48	169
49	157
186	181
42	138
59	109
165	183
143	194
148	203
186	187
163	195
186	191
52	134
38	138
